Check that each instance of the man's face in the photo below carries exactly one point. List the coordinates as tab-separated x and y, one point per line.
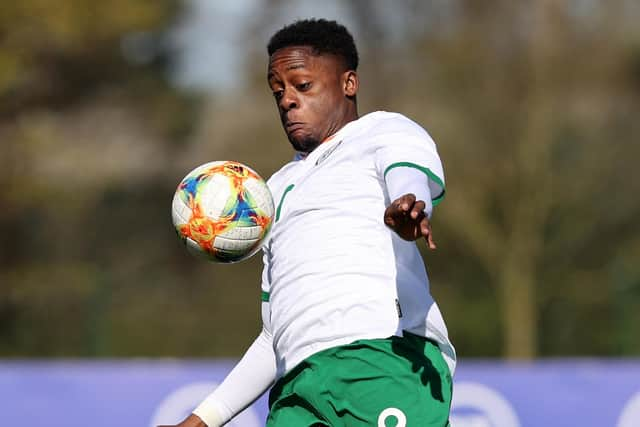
309	90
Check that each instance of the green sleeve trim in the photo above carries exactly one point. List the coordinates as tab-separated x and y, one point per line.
432	176
264	296
286	190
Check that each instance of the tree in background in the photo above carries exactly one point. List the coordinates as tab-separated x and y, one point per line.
86	137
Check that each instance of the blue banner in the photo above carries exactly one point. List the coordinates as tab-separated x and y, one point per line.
144	393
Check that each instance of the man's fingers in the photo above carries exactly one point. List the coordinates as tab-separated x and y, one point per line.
431	243
425	227
403	205
388	219
406	216
406	202
418	209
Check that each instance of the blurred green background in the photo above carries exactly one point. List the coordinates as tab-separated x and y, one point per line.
105	106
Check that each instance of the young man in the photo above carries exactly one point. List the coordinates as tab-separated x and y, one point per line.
351	336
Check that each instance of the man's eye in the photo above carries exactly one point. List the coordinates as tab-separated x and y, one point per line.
277	94
304	86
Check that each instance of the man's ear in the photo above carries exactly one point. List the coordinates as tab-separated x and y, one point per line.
351	83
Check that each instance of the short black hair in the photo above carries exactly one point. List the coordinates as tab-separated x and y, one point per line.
321	35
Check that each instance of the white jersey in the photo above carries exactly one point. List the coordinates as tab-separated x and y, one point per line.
334	272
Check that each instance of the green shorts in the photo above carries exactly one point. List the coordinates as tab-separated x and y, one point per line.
391	382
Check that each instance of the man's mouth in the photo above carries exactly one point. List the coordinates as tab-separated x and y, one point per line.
292	127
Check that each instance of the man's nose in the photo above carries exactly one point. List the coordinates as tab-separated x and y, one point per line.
289	100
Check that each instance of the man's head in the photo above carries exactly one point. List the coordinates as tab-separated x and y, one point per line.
312	73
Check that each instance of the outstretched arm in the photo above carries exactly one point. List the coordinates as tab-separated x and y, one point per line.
251	377
248	380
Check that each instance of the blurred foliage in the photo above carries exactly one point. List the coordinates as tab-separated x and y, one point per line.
534	107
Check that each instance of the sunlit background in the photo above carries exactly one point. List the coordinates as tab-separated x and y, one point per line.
105	106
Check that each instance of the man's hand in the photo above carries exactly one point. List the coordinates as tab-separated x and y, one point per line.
191	421
406	217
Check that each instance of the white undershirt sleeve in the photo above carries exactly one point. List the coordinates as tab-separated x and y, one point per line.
248	380
404	180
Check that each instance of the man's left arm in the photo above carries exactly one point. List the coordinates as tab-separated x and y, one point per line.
410	209
408	163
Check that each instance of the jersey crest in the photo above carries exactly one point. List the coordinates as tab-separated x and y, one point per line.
327	153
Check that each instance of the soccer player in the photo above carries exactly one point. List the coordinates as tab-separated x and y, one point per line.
351	335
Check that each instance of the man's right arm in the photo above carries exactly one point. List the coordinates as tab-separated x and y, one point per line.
248	380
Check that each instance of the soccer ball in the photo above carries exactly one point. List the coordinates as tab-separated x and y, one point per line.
222	211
